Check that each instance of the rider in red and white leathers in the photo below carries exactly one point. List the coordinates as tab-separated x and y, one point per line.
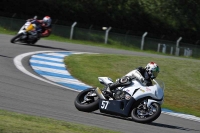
46	27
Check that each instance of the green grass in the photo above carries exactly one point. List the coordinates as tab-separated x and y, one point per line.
11	122
6	31
182	92
63	39
181	77
91	43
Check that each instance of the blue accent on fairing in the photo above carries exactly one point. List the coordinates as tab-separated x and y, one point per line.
77	87
39	59
48	66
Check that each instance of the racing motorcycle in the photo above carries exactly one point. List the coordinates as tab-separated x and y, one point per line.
140	103
28	32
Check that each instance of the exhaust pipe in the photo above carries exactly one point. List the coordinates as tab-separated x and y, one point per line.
99	93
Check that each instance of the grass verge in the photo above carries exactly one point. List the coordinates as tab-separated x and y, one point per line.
17	123
182	92
63	39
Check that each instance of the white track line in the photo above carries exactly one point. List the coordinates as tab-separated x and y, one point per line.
18	63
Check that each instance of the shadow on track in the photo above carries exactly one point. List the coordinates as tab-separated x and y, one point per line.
41	46
171	126
5	56
113	116
151	124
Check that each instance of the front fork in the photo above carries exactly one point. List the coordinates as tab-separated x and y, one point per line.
148	102
99	93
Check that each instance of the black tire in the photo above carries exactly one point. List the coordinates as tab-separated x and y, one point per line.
15	38
86	107
34	41
147	119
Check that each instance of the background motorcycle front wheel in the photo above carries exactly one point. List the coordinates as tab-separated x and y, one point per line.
141	115
16	38
87	105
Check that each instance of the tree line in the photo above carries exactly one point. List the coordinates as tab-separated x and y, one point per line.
166	19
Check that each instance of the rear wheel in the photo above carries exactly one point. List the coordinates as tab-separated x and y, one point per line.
87	100
16	38
142	114
34	41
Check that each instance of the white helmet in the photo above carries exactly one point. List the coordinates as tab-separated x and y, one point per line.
47	21
152	69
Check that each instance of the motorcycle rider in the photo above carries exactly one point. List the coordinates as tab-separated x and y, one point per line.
46	26
144	75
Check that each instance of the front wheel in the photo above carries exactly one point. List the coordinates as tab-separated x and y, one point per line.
87	100
16	38
142	114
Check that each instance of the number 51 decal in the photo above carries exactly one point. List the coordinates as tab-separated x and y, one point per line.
104	104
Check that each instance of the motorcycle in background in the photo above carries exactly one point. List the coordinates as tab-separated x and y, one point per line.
139	102
28	32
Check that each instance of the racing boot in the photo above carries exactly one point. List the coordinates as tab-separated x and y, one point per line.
119	83
111	87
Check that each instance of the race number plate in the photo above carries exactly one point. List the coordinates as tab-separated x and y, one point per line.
104	104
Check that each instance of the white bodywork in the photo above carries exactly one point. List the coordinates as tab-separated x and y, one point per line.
156	92
24	27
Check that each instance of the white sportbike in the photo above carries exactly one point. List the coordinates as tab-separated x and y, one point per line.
28	33
139	102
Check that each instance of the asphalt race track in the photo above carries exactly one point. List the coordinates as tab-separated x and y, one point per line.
22	93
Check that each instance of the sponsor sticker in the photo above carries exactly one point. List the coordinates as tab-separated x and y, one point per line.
142	90
127	97
147	89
